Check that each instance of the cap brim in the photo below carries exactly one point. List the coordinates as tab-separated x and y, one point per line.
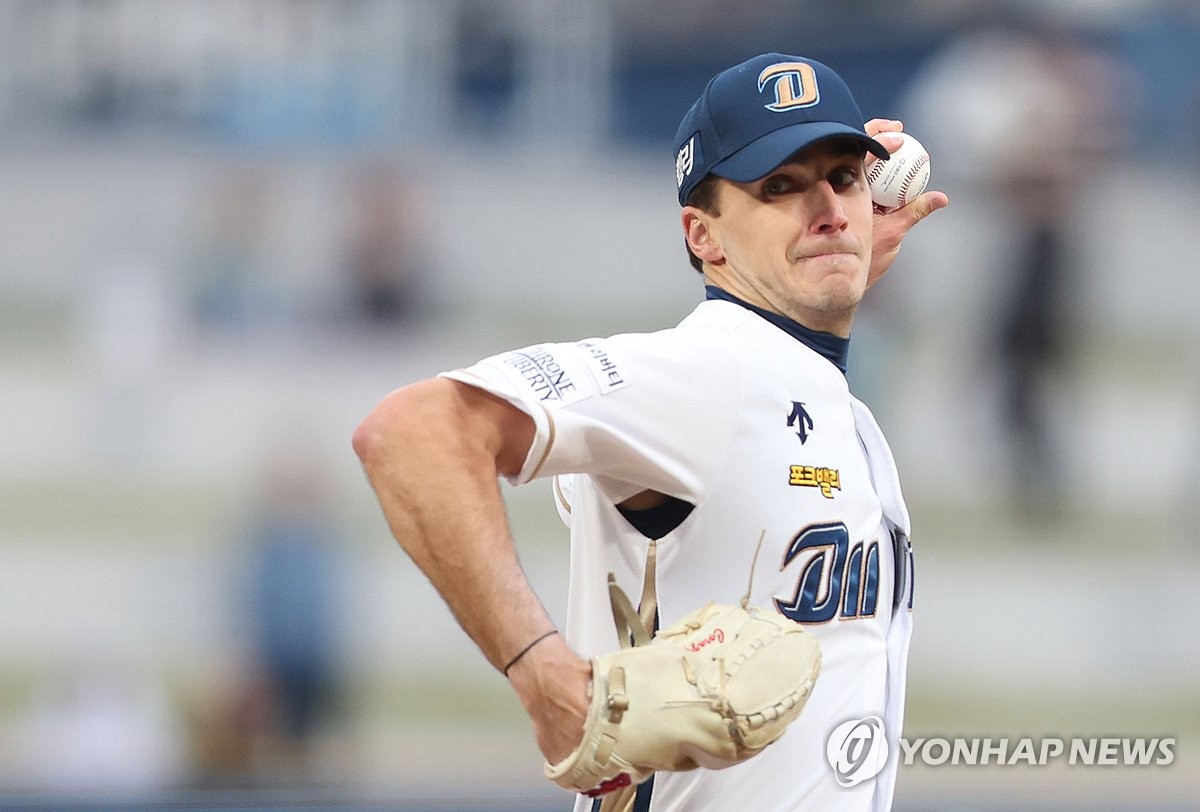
759	157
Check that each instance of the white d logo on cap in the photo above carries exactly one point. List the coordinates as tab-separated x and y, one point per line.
795	85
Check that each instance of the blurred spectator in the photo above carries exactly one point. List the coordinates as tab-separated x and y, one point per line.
292	597
231	289
488	55
1161	43
384	256
1014	109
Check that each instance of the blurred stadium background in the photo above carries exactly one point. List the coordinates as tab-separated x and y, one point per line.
228	227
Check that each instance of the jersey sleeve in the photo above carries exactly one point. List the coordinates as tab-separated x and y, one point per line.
635	412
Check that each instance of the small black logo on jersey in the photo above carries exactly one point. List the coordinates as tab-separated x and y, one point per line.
801	420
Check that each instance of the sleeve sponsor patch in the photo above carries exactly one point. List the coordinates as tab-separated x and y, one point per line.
602	365
562	374
546	375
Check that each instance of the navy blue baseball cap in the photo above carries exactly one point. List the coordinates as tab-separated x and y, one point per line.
755	115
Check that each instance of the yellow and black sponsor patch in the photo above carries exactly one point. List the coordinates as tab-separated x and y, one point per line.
809	476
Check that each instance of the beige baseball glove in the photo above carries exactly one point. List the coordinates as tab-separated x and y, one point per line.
711	691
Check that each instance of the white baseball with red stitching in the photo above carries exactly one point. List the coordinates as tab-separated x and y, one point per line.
898	180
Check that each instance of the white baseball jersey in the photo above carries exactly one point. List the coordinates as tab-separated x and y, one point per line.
730	413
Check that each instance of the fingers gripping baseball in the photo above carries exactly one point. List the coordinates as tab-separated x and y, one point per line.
882	126
893	224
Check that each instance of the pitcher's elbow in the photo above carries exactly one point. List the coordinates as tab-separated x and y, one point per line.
370	438
401	421
364	439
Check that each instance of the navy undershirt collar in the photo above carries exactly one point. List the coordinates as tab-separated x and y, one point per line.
833	348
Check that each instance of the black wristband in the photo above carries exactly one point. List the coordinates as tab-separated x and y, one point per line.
525	650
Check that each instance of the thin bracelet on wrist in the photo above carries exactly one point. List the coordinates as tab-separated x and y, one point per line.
525	650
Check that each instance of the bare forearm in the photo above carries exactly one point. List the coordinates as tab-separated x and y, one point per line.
434	471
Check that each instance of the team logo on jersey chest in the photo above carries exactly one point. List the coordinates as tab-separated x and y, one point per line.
837	578
812	476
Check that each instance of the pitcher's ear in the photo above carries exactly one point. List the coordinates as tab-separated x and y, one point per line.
698	233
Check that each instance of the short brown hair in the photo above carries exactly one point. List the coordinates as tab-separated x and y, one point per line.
704	197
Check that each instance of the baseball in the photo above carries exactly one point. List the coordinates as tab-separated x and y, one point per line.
898	180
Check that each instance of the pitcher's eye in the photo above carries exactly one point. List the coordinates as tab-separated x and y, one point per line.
843	177
777	185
